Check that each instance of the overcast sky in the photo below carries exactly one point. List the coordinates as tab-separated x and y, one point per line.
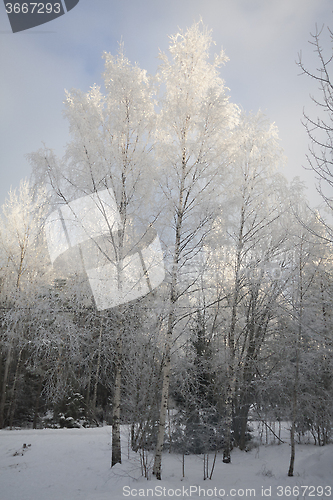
262	39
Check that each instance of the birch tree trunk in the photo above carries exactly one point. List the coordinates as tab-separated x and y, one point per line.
296	380
36	406
98	366
4	387
12	404
157	470
116	440
168	345
116	444
231	348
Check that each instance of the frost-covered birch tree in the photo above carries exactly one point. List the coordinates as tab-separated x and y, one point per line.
306	308
248	240
319	128
108	160
194	127
23	269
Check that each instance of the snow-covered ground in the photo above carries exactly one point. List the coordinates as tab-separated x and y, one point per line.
70	464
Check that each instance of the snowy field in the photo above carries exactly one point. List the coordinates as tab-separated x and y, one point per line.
70	464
